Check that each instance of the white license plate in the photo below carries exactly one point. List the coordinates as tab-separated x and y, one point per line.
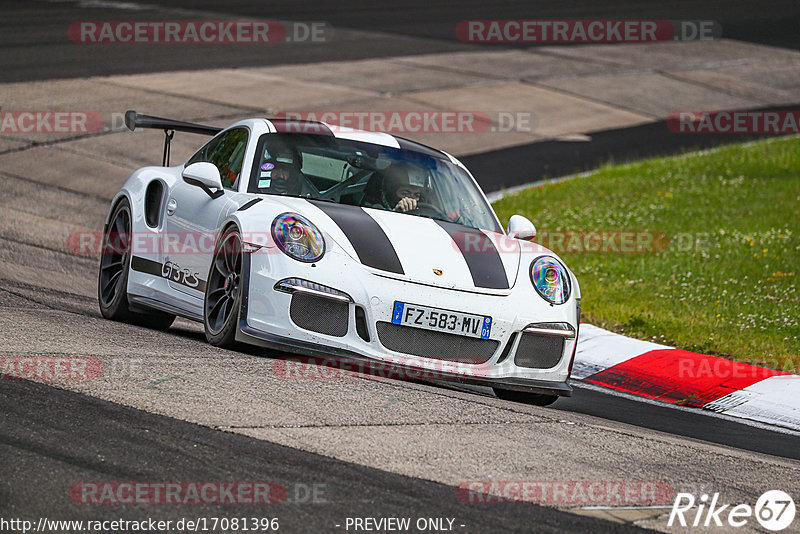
452	322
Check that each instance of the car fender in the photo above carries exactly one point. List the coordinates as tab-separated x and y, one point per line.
135	186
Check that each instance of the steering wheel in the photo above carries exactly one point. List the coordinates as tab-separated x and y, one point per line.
429	210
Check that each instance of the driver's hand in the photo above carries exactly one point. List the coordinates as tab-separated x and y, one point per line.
465	213
406	204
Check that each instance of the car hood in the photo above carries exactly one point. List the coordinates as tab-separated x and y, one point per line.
417	249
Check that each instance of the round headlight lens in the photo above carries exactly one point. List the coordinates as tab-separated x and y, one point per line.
298	238
550	279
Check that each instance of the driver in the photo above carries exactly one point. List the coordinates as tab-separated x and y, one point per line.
283	175
405	185
286	179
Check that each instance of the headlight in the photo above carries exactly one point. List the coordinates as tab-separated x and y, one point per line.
550	279
298	238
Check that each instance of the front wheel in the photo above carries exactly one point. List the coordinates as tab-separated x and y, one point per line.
224	291
112	281
537	399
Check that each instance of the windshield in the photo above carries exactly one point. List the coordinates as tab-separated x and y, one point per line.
368	175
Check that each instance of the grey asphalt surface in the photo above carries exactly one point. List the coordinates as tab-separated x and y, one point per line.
104	430
172	408
550	159
34	44
51	439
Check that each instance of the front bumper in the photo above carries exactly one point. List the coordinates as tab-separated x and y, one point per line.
265	321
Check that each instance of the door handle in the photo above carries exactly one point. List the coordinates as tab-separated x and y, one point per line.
172	205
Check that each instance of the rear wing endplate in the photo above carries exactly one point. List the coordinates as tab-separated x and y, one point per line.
135	120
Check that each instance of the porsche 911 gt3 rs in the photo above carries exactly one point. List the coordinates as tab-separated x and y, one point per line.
332	242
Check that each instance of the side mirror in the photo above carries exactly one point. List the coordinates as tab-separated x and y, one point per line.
205	176
520	227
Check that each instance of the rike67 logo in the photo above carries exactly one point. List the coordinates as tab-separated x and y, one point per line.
774	511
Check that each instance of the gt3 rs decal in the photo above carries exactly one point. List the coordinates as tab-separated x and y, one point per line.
483	260
373	247
170	271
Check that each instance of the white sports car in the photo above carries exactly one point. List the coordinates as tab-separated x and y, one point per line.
339	243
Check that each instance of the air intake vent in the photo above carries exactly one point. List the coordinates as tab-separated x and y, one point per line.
539	352
361	324
320	314
153	197
436	345
507	350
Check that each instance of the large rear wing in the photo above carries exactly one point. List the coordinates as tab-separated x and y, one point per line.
135	120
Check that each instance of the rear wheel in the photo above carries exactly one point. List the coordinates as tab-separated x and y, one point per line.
224	291
112	281
537	399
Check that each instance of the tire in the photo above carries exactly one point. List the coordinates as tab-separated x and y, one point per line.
112	279
536	399
224	291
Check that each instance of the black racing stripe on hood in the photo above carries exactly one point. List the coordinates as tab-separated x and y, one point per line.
371	243
483	260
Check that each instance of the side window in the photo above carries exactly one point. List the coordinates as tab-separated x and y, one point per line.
227	153
201	155
228	156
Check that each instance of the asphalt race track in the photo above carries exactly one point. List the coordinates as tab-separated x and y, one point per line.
550	159
169	407
36	46
107	440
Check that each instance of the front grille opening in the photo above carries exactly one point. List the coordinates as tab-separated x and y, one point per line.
539	352
320	314
435	345
507	351
361	324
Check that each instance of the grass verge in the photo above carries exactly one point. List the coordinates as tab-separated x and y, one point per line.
721	276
